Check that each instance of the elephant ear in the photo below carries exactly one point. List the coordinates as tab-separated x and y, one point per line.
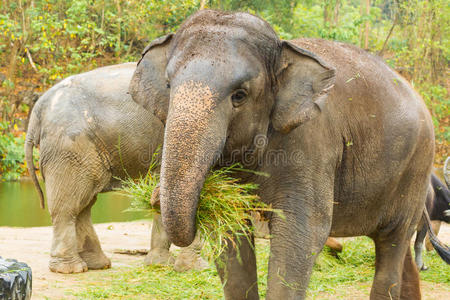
304	82
148	86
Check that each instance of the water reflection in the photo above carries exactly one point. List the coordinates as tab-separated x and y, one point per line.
19	206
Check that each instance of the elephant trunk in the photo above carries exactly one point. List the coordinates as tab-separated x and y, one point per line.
194	135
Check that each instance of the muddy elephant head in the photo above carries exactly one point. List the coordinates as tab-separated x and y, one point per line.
220	81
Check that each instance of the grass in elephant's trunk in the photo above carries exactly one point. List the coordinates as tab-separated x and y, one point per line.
224	209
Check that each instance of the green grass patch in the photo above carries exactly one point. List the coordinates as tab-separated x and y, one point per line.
355	264
438	272
155	282
352	269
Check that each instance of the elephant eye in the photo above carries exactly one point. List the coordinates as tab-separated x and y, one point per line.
168	85
238	97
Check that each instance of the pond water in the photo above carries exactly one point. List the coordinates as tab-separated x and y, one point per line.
19	207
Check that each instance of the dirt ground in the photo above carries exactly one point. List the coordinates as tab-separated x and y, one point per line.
32	245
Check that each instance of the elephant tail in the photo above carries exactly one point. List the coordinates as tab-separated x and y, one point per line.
30	142
442	249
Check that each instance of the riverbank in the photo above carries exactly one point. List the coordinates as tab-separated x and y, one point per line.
32	245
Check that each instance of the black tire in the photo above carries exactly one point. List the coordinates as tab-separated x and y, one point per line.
15	280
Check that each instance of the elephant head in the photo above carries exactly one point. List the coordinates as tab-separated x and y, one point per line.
220	81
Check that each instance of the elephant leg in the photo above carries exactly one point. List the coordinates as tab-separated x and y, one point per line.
418	247
435	226
88	244
390	257
159	245
190	258
64	254
410	279
295	244
63	206
240	261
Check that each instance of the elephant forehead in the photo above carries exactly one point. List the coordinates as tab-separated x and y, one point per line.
194	98
207	41
215	43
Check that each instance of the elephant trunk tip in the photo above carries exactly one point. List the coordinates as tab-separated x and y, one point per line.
180	229
185	241
181	238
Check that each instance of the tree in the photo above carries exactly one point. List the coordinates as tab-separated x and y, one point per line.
365	13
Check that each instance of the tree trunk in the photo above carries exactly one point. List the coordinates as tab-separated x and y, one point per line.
388	36
326	17
11	73
119	28
366	24
336	13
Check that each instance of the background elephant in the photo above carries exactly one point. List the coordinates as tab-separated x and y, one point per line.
347	142
436	224
91	135
438	207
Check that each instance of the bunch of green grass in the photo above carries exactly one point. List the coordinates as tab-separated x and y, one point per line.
141	189
224	208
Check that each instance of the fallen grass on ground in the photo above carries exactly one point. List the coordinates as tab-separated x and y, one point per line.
354	267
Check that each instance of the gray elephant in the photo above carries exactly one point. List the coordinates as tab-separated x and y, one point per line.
347	142
91	134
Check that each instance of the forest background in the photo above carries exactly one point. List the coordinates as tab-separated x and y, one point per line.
44	41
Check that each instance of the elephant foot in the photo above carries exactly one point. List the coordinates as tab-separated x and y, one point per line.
190	261
65	266
419	263
96	260
423	268
158	257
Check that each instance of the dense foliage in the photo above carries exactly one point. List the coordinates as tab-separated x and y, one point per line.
11	153
42	41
